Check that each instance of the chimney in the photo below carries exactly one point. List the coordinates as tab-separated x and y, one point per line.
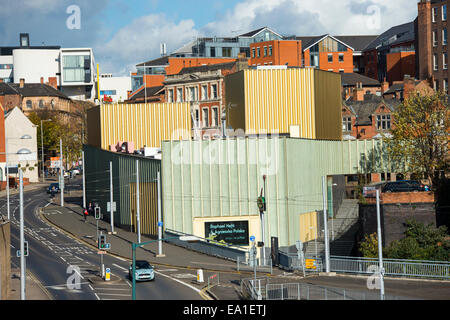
52	81
42	80
358	92
384	86
408	86
22	83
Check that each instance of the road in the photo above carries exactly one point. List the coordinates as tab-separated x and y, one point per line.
52	252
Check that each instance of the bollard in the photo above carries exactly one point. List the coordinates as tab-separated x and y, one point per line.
108	274
200	276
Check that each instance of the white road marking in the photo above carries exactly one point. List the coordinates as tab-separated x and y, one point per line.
114	294
113	289
97	296
116	265
183	283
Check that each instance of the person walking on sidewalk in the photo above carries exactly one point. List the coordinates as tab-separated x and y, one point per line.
91	209
85	213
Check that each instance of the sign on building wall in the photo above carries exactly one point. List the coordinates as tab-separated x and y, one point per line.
54	162
231	232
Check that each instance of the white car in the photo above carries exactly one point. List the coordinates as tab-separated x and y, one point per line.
75	172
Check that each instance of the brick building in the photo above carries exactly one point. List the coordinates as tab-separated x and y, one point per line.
204	88
276	52
353	81
31	97
152	73
432	39
392	54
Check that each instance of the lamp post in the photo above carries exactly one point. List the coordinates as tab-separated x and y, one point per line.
42	145
22	236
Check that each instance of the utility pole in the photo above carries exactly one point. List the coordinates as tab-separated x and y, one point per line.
61	172
325	225
263	225
160	254
84	181
138	205
111	197
22	240
7	179
380	248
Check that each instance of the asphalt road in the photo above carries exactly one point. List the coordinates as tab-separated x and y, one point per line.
52	253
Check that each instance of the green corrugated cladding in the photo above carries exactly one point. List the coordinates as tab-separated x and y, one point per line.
224	178
124	176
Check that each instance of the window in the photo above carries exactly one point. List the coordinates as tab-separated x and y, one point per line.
41	103
341	57
212	51
270	51
435	42
435	62
205	117
341	70
108	92
258	51
445	85
444	12
191	96
384	122
330	58
197	118
444	36
265	51
445	60
215	117
180	95
170	95
76	68
205	92
6	66
226	52
346	124
435	14
29	104
214	91
253	52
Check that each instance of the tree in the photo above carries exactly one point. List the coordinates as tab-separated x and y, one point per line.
420	134
369	246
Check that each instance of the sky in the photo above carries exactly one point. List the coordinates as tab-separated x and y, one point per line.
123	33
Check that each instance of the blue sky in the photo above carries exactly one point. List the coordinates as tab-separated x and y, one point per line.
123	33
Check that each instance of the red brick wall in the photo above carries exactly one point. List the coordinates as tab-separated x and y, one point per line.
404	197
400	64
283	52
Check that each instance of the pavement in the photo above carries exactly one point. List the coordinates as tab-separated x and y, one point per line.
225	278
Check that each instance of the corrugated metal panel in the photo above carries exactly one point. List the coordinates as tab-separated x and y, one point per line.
223	178
124	186
144	124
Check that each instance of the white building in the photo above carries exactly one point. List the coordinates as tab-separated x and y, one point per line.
21	133
114	87
72	70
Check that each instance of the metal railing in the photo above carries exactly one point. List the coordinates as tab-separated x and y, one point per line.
392	267
206	246
291	262
304	291
248	264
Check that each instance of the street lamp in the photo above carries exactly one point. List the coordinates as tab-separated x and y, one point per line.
42	143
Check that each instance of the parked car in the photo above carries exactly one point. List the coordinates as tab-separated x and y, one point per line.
403	186
54	186
75	171
144	271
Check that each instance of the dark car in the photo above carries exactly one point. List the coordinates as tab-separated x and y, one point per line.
54	187
403	186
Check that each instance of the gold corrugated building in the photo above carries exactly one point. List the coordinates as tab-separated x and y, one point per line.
143	124
303	102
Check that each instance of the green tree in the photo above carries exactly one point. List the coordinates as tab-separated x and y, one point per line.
369	246
421	125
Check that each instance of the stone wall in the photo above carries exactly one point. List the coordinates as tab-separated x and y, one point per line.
5	259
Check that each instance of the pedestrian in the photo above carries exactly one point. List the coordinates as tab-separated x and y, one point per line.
91	208
86	213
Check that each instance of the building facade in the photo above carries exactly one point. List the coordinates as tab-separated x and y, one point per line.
114	89
21	133
71	70
204	88
432	43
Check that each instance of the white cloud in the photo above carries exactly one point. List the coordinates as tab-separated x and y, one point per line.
140	40
303	17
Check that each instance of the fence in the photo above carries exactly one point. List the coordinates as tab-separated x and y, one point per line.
209	247
247	264
291	262
392	267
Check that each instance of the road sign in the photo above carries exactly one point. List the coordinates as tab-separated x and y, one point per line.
160	224
108	206
108	274
310	264
252	238
101	252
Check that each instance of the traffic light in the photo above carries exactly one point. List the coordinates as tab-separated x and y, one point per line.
262	204
97	213
25	248
102	241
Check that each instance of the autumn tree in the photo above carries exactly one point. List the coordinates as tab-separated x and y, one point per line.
420	135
